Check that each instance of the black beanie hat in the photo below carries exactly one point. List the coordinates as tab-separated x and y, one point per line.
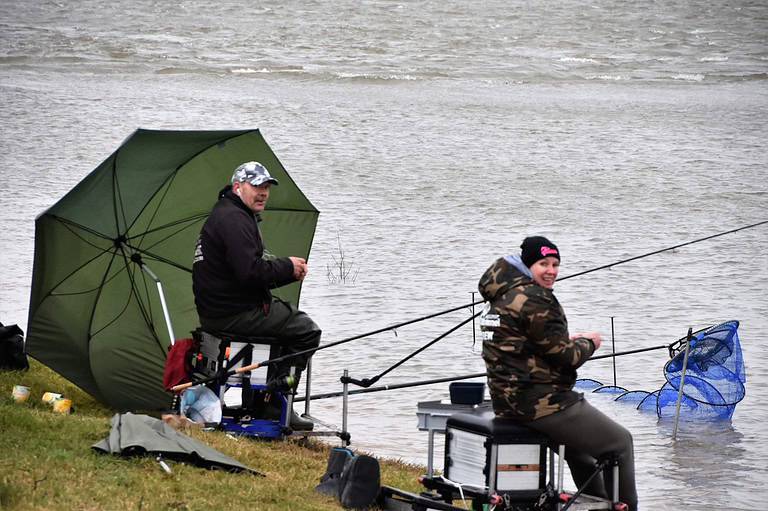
537	247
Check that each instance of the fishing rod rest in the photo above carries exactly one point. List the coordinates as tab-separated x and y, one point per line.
365	382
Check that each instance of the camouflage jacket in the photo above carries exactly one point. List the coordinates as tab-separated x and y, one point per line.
531	363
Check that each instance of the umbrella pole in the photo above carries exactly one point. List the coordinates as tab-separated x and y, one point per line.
159	284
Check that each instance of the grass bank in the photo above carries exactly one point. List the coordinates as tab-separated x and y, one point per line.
46	462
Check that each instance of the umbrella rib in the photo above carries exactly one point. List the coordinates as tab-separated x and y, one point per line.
131	277
69	223
189	220
141	306
166	187
87	290
147	288
125	307
96	301
143	312
143	281
112	321
86	263
161	259
51	291
118	208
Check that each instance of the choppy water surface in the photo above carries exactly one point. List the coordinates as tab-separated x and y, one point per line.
433	136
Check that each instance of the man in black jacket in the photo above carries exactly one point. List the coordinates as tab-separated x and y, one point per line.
232	275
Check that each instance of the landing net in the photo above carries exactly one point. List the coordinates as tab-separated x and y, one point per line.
713	384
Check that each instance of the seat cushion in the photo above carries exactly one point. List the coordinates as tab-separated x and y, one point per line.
502	430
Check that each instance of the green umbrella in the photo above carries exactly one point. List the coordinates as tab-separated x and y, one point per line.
96	314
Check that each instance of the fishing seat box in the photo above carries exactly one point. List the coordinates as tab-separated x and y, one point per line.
217	351
218	348
484	451
244	397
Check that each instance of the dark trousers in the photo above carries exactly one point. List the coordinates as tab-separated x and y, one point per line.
589	435
294	330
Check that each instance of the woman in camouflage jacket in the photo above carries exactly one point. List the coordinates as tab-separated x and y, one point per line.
531	363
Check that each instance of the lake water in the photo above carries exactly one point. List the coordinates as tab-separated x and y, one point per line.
433	136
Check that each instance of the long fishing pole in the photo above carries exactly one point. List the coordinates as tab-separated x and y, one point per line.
275	360
451	378
392	387
367	334
472	304
630	352
429	316
635	258
367	382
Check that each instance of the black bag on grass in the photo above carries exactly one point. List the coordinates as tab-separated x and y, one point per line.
353	479
12	356
329	482
360	482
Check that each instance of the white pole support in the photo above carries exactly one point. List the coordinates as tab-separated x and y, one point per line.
560	467
307	385
164	305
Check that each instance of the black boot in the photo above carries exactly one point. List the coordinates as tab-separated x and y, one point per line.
299	423
273	411
287	384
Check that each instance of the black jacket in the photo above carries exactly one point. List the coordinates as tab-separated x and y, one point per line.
230	274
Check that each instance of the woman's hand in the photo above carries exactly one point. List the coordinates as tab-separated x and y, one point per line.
595	337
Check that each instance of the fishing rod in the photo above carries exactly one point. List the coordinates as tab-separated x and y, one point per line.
392	387
476	302
429	316
630	352
635	258
365	382
453	378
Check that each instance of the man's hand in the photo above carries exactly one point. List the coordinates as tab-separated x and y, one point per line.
299	267
595	337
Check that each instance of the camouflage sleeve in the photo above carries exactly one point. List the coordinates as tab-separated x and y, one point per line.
547	329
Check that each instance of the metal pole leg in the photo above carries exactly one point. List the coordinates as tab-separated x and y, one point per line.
560	467
560	475
308	383
551	466
345	409
430	452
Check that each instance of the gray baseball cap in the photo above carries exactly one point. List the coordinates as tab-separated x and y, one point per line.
254	173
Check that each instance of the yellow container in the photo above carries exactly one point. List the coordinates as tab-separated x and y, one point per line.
50	397
20	393
62	405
